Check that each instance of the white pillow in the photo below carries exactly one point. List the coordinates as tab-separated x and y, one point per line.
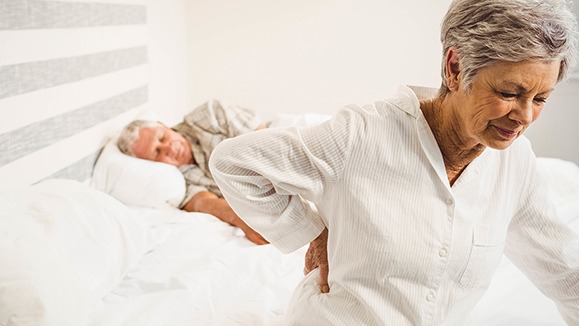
63	247
137	182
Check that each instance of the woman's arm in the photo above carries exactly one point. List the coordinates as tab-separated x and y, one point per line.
270	177
545	249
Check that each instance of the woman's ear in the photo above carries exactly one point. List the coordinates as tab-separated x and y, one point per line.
452	69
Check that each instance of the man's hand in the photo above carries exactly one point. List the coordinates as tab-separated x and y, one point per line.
208	202
250	233
317	256
261	126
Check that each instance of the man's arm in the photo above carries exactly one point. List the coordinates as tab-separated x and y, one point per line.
208	202
261	126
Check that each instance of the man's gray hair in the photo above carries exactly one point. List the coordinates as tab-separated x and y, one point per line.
130	134
485	31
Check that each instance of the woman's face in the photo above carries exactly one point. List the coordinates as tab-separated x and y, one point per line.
505	98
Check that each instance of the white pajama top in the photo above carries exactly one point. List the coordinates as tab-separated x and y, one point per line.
404	247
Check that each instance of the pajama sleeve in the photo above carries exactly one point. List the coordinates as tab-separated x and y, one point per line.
544	248
219	118
271	176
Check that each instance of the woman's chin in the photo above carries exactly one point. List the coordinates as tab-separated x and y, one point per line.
500	144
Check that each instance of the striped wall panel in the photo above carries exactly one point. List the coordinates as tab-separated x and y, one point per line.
574	76
31	14
71	74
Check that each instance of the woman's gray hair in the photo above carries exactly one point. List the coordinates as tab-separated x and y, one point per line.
485	31
130	134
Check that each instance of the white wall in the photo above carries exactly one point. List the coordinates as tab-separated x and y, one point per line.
303	55
170	87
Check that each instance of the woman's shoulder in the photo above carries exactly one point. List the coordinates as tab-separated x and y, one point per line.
381	110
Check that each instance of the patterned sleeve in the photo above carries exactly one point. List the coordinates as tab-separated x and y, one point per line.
218	118
196	181
191	191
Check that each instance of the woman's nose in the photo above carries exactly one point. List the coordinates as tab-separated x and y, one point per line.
523	113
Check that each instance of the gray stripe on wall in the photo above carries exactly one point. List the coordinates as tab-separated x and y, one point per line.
23	141
80	170
34	14
27	77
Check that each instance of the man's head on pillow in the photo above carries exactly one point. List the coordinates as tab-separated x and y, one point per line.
152	140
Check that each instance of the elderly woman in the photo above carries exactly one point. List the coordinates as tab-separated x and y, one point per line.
421	193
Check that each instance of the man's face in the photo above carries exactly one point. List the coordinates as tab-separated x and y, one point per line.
162	144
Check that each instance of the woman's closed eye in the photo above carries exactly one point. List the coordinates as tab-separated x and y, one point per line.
540	99
508	95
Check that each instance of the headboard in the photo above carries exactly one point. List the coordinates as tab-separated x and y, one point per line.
71	74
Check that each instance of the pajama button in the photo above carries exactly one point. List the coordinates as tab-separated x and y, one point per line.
442	252
449	201
430	298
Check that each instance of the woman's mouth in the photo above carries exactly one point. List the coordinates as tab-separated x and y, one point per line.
506	133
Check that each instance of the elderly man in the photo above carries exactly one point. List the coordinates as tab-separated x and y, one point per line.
188	146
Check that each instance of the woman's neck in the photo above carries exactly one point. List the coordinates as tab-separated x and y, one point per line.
456	153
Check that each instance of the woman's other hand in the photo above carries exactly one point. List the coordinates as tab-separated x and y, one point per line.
317	257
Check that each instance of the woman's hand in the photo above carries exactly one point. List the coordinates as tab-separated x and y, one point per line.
317	256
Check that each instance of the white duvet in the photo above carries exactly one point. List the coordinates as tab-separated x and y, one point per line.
202	272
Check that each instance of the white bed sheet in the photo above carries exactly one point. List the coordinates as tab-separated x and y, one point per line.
201	272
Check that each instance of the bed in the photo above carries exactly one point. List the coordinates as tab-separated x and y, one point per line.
114	250
103	244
